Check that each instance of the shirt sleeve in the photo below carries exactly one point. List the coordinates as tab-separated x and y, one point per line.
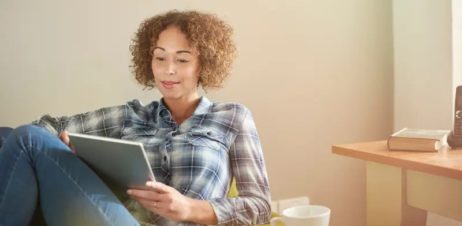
106	122
252	206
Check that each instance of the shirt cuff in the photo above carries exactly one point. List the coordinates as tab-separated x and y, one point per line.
232	211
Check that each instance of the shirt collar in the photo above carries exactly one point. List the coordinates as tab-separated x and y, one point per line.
203	106
164	114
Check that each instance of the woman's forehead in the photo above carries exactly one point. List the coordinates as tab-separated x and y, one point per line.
172	39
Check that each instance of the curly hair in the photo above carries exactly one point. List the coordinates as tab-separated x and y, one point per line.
205	32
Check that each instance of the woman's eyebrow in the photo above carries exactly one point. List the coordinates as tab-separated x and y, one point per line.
184	51
178	52
157	47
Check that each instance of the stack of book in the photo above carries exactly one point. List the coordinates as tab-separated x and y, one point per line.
417	140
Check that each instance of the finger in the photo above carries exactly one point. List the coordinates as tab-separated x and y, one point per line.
158	187
143	195
149	204
64	137
143	187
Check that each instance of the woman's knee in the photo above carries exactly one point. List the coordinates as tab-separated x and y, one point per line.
28	130
29	135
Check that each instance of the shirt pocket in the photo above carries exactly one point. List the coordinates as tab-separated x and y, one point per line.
142	132
207	137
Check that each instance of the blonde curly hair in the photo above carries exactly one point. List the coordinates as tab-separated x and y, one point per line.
206	32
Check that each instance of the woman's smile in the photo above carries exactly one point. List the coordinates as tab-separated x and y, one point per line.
169	84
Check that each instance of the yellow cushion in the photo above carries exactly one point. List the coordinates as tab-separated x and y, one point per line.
233	189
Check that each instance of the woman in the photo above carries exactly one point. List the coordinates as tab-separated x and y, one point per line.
194	145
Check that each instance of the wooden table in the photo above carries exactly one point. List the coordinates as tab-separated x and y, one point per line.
403	186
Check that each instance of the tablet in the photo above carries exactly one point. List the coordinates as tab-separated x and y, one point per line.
123	162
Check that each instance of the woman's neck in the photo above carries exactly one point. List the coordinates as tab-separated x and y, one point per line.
182	109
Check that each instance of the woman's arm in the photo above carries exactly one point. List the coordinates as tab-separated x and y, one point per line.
252	206
106	122
202	212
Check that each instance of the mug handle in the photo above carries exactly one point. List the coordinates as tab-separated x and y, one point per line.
276	221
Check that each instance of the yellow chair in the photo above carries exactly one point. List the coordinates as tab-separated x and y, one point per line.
233	192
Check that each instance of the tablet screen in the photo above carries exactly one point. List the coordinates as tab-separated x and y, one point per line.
123	162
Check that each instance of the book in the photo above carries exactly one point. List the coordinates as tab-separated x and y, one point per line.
417	140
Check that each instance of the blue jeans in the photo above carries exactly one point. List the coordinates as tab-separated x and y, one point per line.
35	164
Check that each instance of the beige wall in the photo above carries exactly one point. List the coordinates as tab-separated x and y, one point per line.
456	43
422	64
314	73
427	60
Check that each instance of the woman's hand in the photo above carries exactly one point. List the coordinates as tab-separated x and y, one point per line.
64	137
163	200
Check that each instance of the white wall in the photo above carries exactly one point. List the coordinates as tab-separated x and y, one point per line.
422	64
314	73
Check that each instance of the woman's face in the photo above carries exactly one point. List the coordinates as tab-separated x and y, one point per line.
175	65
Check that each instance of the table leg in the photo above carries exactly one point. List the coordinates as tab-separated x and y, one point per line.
411	216
383	194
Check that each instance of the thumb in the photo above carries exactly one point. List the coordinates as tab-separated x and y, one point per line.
64	137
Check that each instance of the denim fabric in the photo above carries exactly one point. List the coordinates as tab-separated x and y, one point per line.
33	160
4	132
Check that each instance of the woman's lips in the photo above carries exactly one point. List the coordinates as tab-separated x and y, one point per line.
169	84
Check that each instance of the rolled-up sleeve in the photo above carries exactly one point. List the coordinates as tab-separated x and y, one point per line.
106	122
252	206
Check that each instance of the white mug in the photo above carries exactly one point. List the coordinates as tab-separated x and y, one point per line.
306	215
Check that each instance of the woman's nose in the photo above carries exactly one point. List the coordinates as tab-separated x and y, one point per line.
171	69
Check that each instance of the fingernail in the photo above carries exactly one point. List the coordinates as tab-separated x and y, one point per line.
149	183
129	192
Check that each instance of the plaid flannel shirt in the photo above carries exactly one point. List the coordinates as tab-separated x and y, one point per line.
198	158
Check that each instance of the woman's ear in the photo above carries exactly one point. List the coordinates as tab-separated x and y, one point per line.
199	76
199	81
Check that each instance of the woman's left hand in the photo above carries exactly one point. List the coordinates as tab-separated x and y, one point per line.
163	200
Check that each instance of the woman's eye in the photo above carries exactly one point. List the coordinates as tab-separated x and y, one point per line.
183	61
159	58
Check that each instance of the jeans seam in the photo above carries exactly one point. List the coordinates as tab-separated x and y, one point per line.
10	175
79	187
